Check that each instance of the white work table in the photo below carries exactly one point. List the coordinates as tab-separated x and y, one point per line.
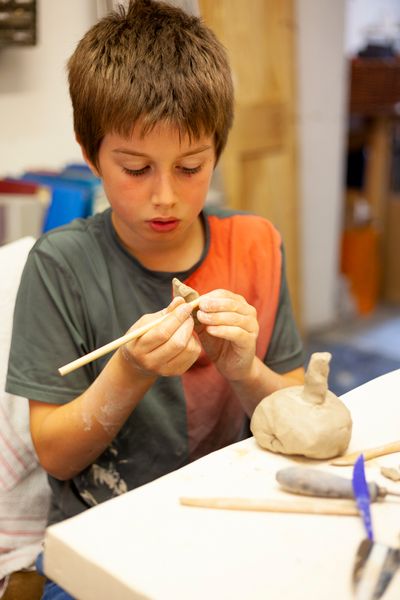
146	545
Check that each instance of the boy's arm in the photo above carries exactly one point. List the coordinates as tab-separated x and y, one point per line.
69	437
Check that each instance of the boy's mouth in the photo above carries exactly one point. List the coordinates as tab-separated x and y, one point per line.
163	225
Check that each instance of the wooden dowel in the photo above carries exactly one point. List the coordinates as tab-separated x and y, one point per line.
128	337
350	459
306	506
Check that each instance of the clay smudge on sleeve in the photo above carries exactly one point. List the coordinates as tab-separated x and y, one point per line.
89	498
110	478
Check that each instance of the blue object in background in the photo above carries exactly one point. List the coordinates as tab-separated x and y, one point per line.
80	171
73	191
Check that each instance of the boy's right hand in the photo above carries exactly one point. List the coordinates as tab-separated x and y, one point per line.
167	349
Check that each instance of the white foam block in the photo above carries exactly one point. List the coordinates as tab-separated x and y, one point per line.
145	545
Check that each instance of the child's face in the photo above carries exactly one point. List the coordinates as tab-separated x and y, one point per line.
156	185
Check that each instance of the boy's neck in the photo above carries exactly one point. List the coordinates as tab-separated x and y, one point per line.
176	258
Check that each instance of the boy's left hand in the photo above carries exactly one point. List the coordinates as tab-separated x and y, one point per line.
228	330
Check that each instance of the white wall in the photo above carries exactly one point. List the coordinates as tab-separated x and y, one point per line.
35	114
365	16
322	81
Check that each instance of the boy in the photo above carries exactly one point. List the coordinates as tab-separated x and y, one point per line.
153	103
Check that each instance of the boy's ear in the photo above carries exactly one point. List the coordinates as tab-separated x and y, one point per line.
91	166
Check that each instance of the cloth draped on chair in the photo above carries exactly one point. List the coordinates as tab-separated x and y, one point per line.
24	490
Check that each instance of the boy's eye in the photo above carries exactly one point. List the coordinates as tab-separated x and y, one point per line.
138	172
190	170
135	172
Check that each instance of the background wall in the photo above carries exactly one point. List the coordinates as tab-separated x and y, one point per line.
35	114
322	92
365	16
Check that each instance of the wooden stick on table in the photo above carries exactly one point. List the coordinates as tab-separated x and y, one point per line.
350	459
307	506
128	337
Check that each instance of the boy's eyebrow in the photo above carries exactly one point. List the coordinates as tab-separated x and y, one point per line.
135	153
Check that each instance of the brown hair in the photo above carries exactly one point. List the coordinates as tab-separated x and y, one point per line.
153	62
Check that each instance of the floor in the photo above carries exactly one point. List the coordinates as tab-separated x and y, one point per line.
362	348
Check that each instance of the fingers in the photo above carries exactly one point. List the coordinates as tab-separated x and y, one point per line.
171	356
169	348
223	312
148	318
176	328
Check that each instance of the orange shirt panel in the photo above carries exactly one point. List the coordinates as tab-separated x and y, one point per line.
244	257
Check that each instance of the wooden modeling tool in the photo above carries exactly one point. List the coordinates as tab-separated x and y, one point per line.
349	459
128	337
305	506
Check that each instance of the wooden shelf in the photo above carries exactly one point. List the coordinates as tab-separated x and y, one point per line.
374	86
375	98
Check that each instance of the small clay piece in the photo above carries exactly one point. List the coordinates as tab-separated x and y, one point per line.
181	289
188	293
391	473
307	420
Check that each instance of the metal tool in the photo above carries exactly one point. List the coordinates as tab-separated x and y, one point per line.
375	563
314	482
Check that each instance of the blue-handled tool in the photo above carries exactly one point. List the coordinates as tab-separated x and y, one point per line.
362	495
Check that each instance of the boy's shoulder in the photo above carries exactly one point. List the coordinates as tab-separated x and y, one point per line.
244	224
76	236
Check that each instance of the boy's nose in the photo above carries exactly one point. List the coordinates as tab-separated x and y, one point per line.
163	193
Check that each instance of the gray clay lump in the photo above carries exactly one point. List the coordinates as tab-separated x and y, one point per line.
305	420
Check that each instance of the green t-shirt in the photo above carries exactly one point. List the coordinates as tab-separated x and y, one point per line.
81	289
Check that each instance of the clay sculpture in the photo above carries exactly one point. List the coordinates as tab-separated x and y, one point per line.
181	289
187	293
306	420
